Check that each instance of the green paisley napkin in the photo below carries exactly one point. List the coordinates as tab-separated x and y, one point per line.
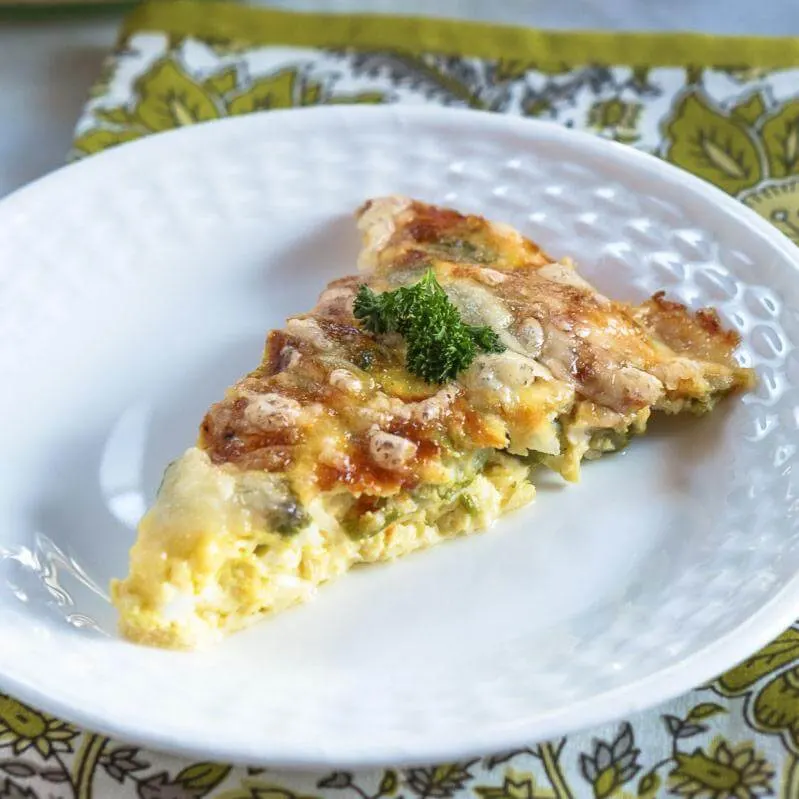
724	109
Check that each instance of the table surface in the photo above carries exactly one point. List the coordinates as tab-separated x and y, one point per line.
47	67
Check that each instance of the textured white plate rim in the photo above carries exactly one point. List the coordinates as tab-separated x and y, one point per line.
761	628
772	618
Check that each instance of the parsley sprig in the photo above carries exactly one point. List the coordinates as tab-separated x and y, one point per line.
440	344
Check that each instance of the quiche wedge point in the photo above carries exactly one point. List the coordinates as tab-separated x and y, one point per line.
409	406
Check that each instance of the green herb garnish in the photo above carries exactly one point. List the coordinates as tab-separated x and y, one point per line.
439	343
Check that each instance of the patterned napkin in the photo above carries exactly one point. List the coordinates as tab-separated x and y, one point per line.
724	109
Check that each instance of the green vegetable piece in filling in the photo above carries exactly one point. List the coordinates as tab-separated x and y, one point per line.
610	440
370	523
469	504
274	507
290	518
366	523
534	458
464	251
365	360
439	343
427	504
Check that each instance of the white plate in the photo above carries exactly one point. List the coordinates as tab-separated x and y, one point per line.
135	286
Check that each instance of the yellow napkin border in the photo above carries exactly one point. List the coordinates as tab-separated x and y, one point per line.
260	26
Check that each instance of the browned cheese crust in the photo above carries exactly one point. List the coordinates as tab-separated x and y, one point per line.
617	360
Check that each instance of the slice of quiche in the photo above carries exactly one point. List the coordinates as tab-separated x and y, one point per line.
409	406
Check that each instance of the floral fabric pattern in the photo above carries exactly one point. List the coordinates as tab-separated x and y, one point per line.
735	126
737	129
